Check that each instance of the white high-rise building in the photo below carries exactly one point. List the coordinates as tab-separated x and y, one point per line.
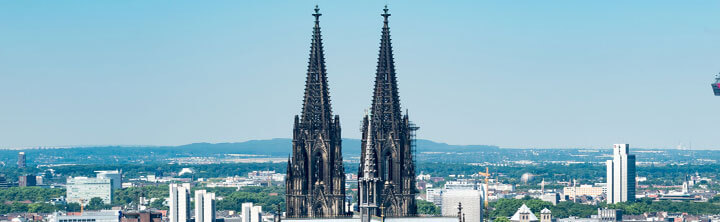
251	213
472	203
204	206
621	175
434	195
114	175
82	189
179	203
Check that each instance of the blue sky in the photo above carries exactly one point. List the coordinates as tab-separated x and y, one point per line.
508	73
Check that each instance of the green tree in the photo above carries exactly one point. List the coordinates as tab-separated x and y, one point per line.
159	204
72	207
501	219
96	203
428	208
18	207
41	208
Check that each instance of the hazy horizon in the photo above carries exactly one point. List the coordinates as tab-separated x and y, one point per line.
609	147
511	74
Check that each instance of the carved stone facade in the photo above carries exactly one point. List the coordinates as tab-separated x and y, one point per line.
386	153
315	182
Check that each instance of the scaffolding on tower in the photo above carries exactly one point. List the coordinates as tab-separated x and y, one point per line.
716	85
413	141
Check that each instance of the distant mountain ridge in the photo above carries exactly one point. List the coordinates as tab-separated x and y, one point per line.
281	147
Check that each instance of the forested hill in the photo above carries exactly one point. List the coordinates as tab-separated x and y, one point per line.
281	147
271	147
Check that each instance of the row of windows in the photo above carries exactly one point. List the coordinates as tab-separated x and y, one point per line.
76	220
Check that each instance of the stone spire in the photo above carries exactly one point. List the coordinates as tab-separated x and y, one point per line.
316	111
386	100
369	164
387	140
315	184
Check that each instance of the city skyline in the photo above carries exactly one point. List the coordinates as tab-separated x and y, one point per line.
574	76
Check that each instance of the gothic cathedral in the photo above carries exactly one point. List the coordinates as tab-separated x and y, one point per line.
387	170
315	181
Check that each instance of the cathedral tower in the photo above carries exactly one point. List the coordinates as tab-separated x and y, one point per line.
315	181
386	167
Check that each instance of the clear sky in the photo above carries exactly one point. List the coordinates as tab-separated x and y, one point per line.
508	73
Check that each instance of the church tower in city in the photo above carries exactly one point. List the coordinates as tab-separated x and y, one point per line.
387	170
315	182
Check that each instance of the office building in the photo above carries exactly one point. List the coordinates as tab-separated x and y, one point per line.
204	206
82	189
115	177
461	185
471	200
621	175
251	213
21	160
90	216
4	183
179	203
27	181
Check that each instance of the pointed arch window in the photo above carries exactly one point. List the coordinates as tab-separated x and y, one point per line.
388	169
318	168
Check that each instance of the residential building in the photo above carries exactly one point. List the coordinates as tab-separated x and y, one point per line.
27	181
621	175
21	160
471	200
204	206
115	177
82	189
179	203
583	190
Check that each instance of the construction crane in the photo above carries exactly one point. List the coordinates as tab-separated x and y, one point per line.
82	206
487	175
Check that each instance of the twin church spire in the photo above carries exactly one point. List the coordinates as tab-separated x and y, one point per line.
315	182
316	112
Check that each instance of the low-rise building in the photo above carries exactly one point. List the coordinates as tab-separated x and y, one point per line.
82	189
583	190
90	216
141	216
